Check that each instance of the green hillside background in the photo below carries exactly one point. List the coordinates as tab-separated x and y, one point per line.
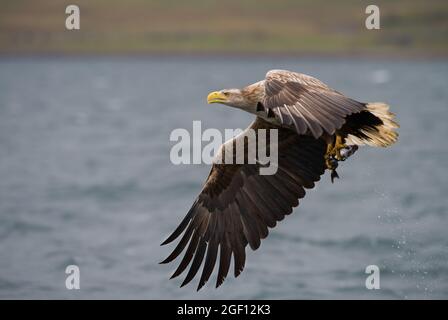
408	28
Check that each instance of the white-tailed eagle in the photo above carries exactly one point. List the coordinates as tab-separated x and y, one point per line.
317	127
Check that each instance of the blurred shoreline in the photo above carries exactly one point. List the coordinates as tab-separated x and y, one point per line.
234	55
281	28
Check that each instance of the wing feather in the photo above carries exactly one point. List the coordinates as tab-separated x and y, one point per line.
293	96
237	206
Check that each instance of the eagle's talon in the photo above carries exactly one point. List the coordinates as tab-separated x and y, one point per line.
331	163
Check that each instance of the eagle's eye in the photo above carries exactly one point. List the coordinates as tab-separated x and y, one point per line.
226	93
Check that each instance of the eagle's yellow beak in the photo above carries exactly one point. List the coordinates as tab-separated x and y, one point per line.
216	97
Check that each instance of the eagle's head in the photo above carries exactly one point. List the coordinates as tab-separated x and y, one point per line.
230	97
246	98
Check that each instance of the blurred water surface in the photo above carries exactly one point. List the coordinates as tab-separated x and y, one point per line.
85	179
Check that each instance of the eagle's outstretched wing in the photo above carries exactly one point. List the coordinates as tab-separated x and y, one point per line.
307	103
237	205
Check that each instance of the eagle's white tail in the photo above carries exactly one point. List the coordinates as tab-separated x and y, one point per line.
378	135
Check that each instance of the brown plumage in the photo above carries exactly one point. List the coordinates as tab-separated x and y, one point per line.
237	205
